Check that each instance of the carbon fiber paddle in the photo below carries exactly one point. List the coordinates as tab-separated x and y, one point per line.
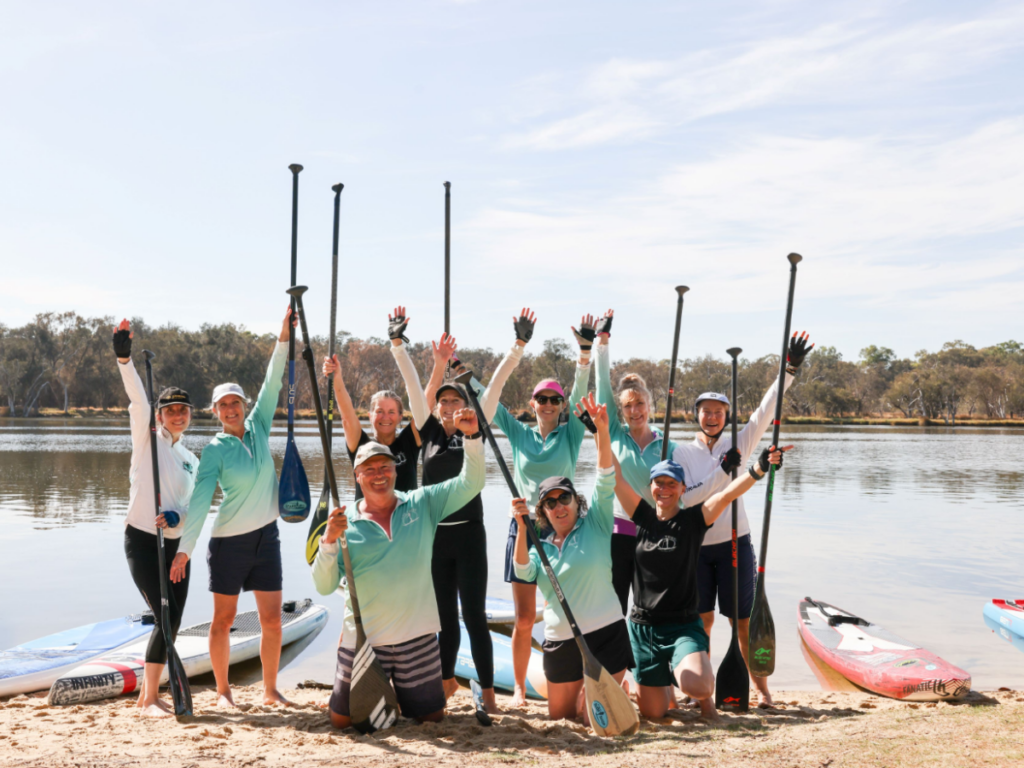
681	290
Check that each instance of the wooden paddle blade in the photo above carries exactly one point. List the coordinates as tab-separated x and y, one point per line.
761	650
478	703
181	693
318	524
373	705
732	684
611	711
293	492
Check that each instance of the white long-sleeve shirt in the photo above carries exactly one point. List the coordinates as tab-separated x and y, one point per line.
417	400
178	465
703	470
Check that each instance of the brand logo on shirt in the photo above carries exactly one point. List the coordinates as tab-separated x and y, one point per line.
667	544
410	517
455	441
187	466
399	459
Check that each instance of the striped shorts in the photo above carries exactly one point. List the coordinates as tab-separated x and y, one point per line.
414	668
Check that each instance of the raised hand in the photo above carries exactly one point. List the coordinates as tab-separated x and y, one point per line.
524	325
331	365
444	350
604	323
290	321
772	455
123	340
397	325
465	421
597	412
798	350
337	524
586	334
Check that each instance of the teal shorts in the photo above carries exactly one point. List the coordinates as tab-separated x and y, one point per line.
659	649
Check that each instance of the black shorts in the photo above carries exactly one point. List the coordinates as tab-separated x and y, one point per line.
714	577
563	662
510	550
250	561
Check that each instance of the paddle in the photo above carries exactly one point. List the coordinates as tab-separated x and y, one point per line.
611	711
373	705
181	694
732	684
447	269
761	650
478	703
680	289
293	491
323	508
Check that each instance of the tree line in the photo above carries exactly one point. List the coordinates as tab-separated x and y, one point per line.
65	361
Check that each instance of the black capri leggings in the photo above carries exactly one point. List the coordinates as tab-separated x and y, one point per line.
623	565
141	550
459	568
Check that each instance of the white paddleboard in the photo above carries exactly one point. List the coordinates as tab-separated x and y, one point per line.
120	672
501	611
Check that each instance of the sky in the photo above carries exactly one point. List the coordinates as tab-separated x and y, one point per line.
600	154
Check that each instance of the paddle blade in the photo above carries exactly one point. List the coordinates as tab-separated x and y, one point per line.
372	702
611	711
761	650
318	524
181	693
478	703
293	499
732	684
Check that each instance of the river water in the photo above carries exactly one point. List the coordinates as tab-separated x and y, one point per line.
910	528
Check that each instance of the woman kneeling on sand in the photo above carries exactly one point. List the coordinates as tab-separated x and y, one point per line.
391	544
667	635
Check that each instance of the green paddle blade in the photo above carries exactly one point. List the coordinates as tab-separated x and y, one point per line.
761	650
732	684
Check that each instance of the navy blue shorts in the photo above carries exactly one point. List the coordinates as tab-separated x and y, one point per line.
714	577
250	561
510	550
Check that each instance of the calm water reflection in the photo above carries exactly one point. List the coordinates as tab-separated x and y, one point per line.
911	528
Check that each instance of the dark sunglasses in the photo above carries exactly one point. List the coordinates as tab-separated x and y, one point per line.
545	399
553	501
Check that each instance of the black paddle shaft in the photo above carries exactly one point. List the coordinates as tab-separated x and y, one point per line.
447	268
680	289
588	656
334	314
734	353
182	699
307	354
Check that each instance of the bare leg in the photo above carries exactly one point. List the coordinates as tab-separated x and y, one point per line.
224	609
525	597
763	694
563	700
653	700
149	697
268	604
450	686
490	703
697	680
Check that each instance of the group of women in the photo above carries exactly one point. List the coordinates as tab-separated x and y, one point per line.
418	551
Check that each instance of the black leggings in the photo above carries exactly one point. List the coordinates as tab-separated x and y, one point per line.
459	568
141	550
623	564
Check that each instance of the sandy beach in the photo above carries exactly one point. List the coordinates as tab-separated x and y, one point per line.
817	729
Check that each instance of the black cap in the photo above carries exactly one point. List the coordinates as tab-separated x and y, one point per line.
555	484
173	396
458	389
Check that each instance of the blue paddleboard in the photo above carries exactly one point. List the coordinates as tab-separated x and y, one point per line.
33	666
504	680
502	611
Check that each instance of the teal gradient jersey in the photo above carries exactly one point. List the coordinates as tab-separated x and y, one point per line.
393	577
635	462
537	458
244	468
583	567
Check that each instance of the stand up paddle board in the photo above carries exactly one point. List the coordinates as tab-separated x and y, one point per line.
504	679
501	611
33	666
1006	619
876	659
120	672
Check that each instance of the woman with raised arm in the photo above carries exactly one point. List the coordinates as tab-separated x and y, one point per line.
549	449
385	413
667	635
177	479
245	548
576	537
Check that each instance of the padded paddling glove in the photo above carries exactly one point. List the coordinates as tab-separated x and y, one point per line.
524	328
731	460
764	464
798	350
585	336
123	343
588	422
396	328
604	325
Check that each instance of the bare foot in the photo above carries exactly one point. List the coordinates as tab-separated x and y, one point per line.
451	685
708	711
226	700
490	703
764	700
518	698
156	709
275	697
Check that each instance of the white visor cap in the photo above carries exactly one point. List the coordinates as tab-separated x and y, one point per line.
223	390
718	397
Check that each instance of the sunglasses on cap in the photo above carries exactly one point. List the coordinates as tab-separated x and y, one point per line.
551	502
545	399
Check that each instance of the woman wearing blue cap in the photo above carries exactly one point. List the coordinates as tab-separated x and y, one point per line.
668	638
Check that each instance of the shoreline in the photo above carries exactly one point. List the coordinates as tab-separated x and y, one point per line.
814	728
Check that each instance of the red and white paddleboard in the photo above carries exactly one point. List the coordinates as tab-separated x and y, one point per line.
876	659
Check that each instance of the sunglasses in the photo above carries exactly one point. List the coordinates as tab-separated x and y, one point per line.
545	399
551	502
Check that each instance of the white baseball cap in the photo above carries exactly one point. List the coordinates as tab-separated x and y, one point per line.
223	390
718	397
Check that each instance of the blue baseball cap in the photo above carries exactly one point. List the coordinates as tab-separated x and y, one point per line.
667	469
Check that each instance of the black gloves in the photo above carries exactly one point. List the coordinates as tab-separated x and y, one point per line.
588	422
798	350
604	325
396	327
585	336
763	463
123	343
731	460
524	328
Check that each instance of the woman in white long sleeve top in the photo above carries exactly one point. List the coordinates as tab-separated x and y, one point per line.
177	478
